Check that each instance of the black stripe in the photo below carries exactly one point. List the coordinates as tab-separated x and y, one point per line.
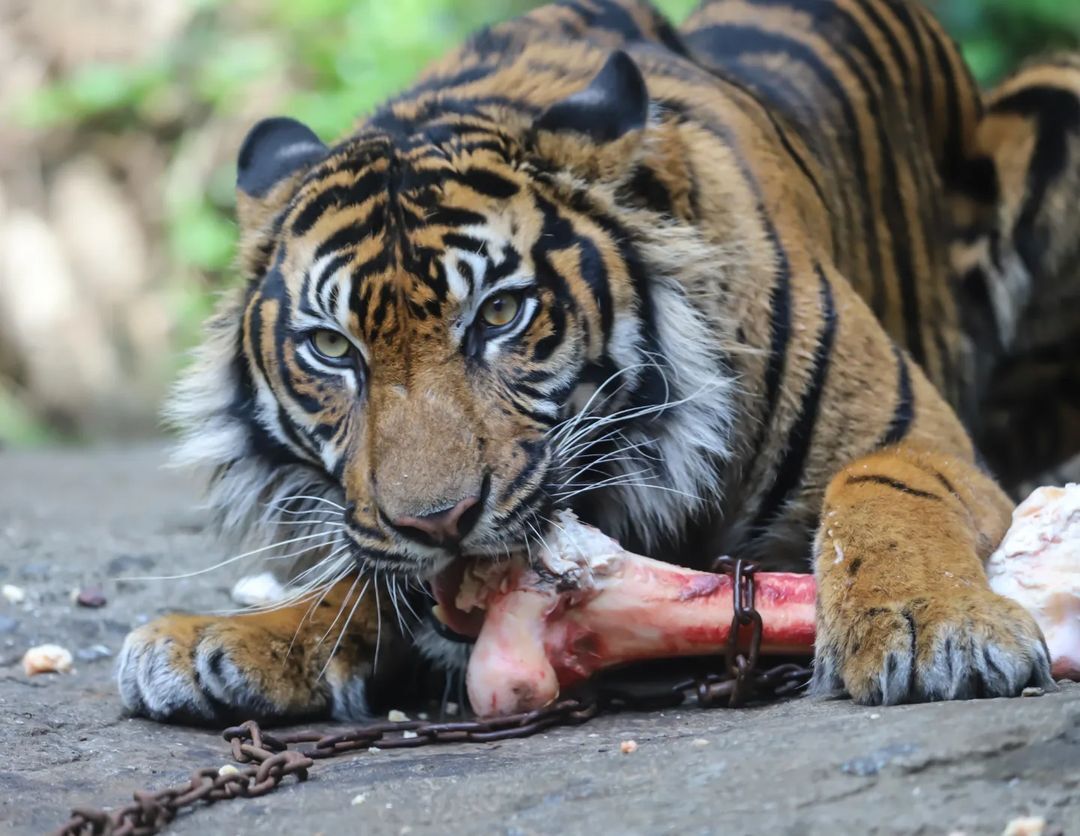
948	485
535	455
895	484
779	325
953	140
1057	112
904	411
729	41
790	472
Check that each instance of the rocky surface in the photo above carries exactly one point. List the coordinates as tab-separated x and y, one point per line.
77	520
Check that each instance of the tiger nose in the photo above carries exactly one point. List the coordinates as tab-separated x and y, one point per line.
446	527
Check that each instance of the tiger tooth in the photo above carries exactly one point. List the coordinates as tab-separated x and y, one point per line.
437	611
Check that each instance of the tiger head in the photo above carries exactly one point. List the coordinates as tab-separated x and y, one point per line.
444	321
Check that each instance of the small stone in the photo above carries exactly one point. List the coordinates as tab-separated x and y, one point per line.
396	716
1033	691
358	799
628	747
1025	826
90	596
13	594
373	750
228	769
47	658
409	735
699	741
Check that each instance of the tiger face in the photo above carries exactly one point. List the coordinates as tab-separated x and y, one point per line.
427	307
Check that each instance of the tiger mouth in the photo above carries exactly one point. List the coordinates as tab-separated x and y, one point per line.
450	620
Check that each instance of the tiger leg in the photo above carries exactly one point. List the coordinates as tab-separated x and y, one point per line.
302	660
904	609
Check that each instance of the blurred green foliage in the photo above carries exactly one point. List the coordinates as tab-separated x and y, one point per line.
345	56
997	35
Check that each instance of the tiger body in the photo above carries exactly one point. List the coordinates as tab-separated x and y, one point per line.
698	287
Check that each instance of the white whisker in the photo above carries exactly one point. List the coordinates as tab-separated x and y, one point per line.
344	626
229	560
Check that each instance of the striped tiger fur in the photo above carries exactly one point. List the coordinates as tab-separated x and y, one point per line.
1017	253
695	285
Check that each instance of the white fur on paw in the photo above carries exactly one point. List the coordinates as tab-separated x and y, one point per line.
150	684
965	666
990	653
348	698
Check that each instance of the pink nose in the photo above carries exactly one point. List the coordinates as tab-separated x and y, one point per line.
447	527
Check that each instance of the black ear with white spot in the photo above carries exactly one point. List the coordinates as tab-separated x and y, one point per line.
615	103
273	157
274	150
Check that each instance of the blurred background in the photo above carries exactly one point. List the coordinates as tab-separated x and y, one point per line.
120	121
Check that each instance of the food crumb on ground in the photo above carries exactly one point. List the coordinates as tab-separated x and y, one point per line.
396	716
409	735
628	747
699	741
13	594
1025	826
1033	691
374	750
228	769
257	590
358	799
47	658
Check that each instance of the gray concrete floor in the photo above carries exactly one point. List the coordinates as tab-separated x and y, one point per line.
70	518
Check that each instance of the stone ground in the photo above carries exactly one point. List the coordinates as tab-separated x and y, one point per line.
69	518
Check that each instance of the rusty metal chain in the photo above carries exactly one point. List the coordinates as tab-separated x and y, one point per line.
267	758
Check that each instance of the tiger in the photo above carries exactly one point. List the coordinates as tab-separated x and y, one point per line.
701	286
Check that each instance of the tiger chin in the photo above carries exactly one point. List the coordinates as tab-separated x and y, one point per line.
593	262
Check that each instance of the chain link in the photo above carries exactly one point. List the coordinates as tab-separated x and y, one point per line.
266	759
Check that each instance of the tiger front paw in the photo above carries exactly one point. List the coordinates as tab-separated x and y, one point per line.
205	670
935	647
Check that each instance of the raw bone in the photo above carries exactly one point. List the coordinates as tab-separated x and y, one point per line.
598	606
605	607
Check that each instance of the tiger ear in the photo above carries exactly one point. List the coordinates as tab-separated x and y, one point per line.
597	130
273	157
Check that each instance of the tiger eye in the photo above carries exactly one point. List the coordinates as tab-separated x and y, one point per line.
330	344
500	309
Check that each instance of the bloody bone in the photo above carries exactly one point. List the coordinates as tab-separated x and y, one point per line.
606	607
593	605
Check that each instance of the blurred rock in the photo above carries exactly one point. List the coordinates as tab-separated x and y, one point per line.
107	244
